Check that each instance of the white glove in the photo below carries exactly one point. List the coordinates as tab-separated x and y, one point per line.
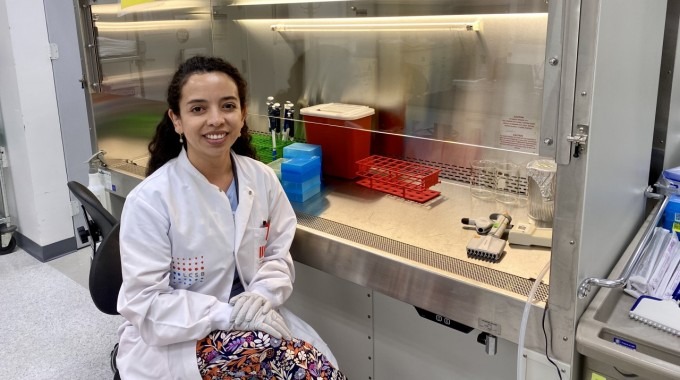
271	323
246	305
253	312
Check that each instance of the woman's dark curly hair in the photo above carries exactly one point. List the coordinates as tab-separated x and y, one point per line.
165	144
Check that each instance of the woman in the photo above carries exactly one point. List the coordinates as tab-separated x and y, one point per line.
204	243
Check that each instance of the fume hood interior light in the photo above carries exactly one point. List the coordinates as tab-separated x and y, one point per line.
140	26
378	27
154	6
275	2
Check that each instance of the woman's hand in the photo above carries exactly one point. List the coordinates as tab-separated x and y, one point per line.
254	312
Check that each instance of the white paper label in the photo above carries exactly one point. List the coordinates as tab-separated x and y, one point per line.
519	133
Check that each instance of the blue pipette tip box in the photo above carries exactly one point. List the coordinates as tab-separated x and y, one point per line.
300	169
301	150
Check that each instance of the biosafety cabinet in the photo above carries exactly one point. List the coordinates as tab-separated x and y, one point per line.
397	286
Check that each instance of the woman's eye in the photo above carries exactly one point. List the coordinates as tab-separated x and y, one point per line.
196	109
230	106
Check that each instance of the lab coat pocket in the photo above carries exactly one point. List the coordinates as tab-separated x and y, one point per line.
256	242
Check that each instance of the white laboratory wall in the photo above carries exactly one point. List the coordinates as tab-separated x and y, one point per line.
39	200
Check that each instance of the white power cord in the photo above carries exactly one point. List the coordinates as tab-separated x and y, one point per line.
523	325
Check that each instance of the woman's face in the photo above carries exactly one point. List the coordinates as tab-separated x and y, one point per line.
210	116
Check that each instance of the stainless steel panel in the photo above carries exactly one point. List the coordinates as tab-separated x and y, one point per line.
136	50
455	86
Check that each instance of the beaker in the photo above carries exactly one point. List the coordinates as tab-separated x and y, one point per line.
482	178
541	191
507	183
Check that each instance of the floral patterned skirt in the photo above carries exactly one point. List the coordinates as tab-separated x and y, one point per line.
227	355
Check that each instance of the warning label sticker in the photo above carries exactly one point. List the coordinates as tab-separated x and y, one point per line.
519	133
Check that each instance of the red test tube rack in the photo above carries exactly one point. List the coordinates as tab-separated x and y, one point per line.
401	178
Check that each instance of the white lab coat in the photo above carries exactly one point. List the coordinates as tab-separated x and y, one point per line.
177	241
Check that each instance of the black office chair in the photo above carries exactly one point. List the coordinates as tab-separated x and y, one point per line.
105	271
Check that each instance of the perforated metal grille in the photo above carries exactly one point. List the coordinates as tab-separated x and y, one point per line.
462	174
449	264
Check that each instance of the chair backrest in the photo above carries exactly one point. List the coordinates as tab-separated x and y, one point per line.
105	273
100	216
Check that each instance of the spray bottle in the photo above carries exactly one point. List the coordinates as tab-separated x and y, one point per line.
96	178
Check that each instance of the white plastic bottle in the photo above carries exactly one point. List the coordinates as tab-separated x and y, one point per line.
96	180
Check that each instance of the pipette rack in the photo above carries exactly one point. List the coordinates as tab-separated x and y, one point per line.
401	178
263	147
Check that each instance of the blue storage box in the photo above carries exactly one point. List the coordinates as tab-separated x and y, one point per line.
295	196
301	187
300	169
301	150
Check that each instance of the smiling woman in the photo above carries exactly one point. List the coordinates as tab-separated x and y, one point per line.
205	272
210	119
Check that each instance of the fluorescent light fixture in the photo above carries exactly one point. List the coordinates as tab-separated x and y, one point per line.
155	6
378	27
274	2
140	26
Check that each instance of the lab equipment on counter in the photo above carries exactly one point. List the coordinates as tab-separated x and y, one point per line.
276	166
301	150
506	188
401	178
528	234
482	225
482	178
541	191
95	180
288	121
343	131
657	273
263	146
301	172
671	215
661	314
490	247
274	114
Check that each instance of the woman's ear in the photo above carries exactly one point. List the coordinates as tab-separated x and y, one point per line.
244	114
176	122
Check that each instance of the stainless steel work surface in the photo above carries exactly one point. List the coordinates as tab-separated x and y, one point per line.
435	226
412	252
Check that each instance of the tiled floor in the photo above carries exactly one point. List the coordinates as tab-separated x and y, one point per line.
75	266
47	311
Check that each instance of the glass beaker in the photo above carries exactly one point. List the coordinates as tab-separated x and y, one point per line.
541	191
507	183
482	178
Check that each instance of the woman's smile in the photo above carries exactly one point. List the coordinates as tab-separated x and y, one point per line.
216	137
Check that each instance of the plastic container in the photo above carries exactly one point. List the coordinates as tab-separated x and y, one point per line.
300	196
300	169
671	216
541	175
343	132
301	150
276	165
301	187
